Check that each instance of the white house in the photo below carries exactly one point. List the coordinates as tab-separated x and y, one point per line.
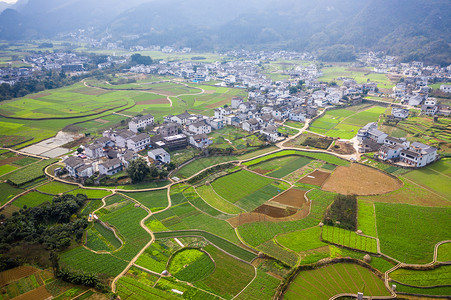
271	133
140	122
419	154
333	98
217	124
250	125
72	163
94	151
236	101
445	88
122	137
297	115
181	119
399	113
110	167
159	155
139	142
387	152
200	141
199	127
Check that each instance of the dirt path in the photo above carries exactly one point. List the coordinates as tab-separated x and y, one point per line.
24	153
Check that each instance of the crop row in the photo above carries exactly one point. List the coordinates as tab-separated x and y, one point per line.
349	239
29	173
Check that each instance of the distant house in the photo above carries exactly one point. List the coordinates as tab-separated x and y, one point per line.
251	125
217	124
445	88
140	122
419	155
199	128
127	156
110	167
400	113
200	141
271	133
72	163
297	115
169	129
429	107
236	101
139	142
178	141
160	155
123	136
94	151
390	152
181	119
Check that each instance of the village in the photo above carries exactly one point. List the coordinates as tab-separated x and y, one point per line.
268	106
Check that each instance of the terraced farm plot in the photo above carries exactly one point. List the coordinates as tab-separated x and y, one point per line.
6	169
56	188
349	239
360	180
444	252
239	185
409	233
262	287
292	197
101	238
229	277
209	195
91	194
8	192
156	256
280	167
219	242
254	200
191	265
154	200
66	102
436	277
326	282
29	173
433	180
186	217
315	178
344	123
366	218
328	158
200	164
32	199
303	240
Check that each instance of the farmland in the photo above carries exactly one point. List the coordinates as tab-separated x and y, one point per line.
436	277
303	240
191	265
280	167
56	188
32	199
209	195
156	257
402	230
344	123
29	173
326	282
155	200
349	239
366	218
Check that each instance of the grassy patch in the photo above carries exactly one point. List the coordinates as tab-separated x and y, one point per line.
154	200
366	218
29	173
303	240
444	252
349	239
409	233
32	199
56	188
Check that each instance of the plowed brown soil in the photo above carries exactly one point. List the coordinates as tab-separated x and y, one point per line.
12	275
40	293
275	212
317	178
292	197
360	180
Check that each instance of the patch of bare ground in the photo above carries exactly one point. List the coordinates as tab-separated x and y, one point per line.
10	160
292	197
345	148
36	294
274	211
218	104
315	178
360	180
261	171
153	101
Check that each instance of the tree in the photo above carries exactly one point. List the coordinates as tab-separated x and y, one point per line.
139	59
293	90
54	260
138	170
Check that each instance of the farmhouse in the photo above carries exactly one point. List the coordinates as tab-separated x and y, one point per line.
139	142
419	155
445	88
160	155
199	128
169	129
110	167
200	141
140	122
400	113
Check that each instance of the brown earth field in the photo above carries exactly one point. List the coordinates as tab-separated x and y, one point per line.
343	148
360	180
261	171
37	96
153	101
218	104
259	217
11	275
36	294
275	212
319	178
292	197
10	160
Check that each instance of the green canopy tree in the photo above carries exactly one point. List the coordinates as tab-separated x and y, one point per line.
138	170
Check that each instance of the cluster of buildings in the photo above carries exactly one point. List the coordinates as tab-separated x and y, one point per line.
12	75
68	62
395	150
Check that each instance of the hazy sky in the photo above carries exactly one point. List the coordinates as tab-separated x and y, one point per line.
9	1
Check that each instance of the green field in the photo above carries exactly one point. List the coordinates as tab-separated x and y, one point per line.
200	164
444	252
91	194
262	287
29	173
190	265
281	166
209	195
56	188
156	256
154	200
8	192
239	185
219	242
409	233
335	279
436	277
229	277
344	123
366	218
6	169
349	239
361	75
102	238
328	158
32	199
434	177
303	240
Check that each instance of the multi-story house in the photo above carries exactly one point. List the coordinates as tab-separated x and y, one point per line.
140	122
139	142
